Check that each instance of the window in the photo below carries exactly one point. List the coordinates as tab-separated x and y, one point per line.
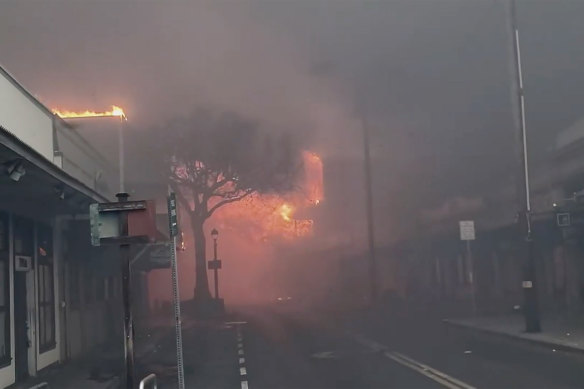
23	237
73	283
111	287
100	289
4	293
89	287
46	289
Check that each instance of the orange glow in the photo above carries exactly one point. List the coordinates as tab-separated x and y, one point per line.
286	211
115	112
268	216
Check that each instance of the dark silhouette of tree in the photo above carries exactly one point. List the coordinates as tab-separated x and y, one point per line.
218	158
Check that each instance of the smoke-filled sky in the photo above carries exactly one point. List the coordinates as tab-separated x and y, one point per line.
431	76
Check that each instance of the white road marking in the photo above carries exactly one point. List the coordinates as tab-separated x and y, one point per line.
236	322
242	368
435	375
324	355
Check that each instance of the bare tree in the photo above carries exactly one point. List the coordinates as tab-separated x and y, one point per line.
219	158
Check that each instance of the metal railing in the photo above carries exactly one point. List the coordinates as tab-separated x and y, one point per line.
149	382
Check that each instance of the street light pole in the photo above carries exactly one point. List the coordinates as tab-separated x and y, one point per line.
369	206
215	235
121	156
530	303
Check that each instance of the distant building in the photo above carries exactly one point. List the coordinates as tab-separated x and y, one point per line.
439	267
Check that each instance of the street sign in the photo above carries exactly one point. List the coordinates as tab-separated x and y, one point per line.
214	264
104	220
467	230
172	215
563	219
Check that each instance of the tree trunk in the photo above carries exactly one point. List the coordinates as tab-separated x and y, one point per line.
201	281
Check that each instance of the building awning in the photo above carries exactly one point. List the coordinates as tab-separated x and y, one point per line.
151	256
44	190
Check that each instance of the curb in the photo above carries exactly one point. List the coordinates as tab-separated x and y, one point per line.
517	338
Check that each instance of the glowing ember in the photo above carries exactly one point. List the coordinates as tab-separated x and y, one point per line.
115	112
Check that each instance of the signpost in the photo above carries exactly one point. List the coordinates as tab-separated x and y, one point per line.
173	229
467	233
123	223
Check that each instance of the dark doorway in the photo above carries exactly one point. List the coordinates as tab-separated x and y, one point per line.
23	281
20	326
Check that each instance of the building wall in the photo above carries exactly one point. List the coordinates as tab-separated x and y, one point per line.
85	162
7	374
23	118
36	359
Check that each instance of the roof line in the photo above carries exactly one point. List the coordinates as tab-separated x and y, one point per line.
15	144
31	97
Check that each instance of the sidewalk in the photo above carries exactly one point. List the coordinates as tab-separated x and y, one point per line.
100	369
561	333
70	375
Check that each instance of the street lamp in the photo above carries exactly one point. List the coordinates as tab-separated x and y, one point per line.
369	208
530	301
216	265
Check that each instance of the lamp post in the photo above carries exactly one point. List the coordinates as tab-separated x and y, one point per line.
369	208
530	300
215	266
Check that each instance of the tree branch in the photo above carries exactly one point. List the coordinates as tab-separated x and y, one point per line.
227	201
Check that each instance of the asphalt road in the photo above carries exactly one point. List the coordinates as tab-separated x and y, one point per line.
292	348
275	347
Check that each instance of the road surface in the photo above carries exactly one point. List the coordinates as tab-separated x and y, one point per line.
290	348
276	347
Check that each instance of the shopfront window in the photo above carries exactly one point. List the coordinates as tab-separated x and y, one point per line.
74	288
4	292
46	290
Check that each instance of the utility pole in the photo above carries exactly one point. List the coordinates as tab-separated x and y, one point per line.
369	210
529	285
126	267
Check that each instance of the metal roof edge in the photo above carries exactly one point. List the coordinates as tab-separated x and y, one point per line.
15	144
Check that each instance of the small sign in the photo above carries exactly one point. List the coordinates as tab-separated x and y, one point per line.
563	219
214	264
122	206
527	284
22	263
172	215
467	230
104	219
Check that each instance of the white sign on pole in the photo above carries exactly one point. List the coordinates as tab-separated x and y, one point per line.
467	230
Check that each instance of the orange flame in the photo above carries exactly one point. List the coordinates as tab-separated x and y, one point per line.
286	212
265	216
115	112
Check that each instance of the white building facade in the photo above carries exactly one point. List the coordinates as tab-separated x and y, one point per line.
55	289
